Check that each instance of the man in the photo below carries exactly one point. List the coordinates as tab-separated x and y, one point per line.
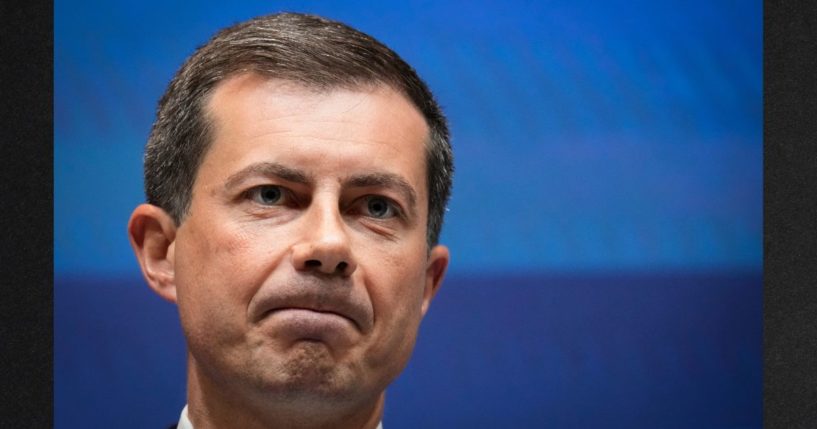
296	178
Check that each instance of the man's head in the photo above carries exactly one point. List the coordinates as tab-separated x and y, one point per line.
296	176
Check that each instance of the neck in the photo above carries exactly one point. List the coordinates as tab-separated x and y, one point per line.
212	404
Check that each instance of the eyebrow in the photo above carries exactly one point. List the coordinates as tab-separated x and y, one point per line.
268	169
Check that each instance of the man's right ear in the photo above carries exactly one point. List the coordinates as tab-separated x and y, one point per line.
152	234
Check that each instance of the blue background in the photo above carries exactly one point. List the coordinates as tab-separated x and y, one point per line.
605	224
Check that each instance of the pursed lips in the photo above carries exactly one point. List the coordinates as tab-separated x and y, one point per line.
337	300
313	310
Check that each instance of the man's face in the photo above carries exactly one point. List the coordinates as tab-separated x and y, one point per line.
302	267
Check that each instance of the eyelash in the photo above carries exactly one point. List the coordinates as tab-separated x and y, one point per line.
391	207
255	194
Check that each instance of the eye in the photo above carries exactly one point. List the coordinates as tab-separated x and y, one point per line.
380	208
267	195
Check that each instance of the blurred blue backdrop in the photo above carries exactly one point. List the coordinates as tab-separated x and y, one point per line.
605	224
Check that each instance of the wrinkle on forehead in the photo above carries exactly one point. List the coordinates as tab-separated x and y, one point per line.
293	99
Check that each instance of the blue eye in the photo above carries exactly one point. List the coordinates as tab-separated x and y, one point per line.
380	208
267	195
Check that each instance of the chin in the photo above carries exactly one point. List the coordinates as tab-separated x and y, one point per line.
310	372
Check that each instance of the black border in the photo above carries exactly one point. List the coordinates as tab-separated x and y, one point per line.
790	214
26	216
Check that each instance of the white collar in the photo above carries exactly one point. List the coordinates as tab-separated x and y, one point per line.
184	421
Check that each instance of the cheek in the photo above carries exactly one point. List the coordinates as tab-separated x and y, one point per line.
397	298
397	281
216	251
215	278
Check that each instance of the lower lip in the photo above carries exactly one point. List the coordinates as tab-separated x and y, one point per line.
309	325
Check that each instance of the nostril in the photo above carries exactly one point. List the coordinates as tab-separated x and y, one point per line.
342	267
313	263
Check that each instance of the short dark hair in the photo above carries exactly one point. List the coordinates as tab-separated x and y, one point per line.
305	49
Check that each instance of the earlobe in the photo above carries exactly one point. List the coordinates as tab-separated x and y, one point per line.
152	234
435	272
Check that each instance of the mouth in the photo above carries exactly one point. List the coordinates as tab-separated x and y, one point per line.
307	324
307	302
307	312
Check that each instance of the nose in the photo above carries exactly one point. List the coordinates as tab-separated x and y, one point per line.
324	247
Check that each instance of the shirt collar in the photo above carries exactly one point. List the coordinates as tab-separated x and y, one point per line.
184	421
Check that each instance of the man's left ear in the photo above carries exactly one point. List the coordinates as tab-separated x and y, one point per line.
435	272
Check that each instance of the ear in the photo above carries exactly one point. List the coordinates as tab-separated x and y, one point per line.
152	235
435	272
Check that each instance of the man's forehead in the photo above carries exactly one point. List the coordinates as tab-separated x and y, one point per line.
249	108
287	97
240	83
